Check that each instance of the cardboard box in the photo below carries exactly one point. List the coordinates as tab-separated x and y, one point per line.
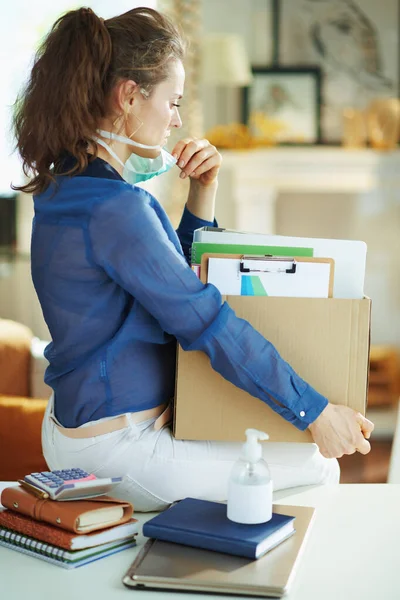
325	340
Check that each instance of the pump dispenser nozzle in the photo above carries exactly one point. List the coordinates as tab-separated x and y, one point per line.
252	451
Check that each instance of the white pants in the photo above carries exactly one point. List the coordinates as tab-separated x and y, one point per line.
159	469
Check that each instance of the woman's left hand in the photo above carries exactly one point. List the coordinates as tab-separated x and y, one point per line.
197	159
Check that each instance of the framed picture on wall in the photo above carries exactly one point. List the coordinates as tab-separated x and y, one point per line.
355	42
283	104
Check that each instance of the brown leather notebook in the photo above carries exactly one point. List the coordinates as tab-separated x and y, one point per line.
78	516
11	520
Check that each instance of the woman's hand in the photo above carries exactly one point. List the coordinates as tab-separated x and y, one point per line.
197	159
340	430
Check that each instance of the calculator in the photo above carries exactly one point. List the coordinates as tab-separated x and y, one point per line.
69	484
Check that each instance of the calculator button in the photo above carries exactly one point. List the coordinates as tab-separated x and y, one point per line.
82	479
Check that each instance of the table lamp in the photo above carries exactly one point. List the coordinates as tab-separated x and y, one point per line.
225	64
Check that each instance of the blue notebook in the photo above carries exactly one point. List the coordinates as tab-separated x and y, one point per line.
204	524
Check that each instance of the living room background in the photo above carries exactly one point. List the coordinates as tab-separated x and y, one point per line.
299	189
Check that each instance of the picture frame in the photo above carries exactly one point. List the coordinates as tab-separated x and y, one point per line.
284	104
355	43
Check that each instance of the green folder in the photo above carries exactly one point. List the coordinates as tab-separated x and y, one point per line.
200	248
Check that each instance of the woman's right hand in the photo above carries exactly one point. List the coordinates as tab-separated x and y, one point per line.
340	430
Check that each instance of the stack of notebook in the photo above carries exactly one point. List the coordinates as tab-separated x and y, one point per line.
69	534
193	547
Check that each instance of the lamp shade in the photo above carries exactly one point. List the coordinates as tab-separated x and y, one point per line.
225	61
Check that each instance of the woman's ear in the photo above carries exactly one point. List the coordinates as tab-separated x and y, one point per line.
124	94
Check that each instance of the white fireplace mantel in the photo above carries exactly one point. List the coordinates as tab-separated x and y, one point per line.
251	180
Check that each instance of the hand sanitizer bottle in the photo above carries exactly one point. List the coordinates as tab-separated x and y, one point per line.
250	484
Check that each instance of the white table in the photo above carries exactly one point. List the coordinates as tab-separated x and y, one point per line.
351	554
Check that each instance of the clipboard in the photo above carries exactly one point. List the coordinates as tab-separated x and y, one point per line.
247	275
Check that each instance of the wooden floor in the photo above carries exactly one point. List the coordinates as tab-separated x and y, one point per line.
371	468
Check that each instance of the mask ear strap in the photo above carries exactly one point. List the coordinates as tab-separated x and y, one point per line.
125	140
109	150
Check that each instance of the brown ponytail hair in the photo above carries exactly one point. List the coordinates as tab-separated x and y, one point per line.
74	73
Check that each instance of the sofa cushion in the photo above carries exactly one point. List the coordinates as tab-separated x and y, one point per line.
15	358
20	437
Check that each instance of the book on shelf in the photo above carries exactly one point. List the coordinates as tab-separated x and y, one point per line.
68	559
78	516
9	519
204	524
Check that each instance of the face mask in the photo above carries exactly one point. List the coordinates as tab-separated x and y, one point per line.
137	168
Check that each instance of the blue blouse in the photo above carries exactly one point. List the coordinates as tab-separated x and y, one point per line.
117	293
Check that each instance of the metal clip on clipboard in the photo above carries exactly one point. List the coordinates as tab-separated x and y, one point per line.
245	268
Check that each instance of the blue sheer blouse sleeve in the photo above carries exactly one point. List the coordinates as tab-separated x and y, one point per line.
189	222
